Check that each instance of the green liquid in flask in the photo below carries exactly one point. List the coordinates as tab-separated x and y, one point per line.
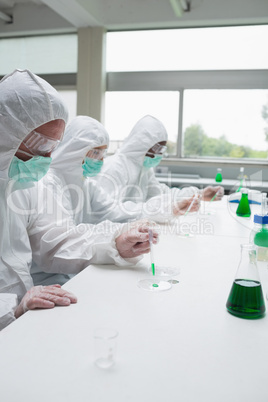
218	178
243	208
261	238
246	299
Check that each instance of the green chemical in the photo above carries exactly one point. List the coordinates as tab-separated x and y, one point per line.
243	208
153	268
155	285
246	299
261	238
218	178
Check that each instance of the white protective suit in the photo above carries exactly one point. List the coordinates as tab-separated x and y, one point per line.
123	174
90	203
34	220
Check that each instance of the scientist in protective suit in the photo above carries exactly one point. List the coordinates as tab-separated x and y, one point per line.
129	174
34	221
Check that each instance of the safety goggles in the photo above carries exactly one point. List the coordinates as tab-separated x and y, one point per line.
39	144
96	153
157	149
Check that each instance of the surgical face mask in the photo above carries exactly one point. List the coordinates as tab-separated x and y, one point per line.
32	170
91	167
152	162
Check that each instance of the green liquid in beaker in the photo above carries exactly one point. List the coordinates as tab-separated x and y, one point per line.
246	299
243	208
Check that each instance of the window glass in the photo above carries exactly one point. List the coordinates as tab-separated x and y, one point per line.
225	123
124	109
41	54
211	48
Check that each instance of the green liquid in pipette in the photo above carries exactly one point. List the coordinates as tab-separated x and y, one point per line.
153	271
246	299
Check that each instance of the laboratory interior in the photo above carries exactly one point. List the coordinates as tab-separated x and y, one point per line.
176	91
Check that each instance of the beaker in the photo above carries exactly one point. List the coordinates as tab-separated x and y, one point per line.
243	208
246	297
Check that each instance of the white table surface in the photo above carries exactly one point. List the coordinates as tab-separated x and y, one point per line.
178	345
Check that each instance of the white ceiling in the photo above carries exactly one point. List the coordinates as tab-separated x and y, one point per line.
36	16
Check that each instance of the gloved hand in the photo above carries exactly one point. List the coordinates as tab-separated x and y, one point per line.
135	241
209	192
44	297
181	207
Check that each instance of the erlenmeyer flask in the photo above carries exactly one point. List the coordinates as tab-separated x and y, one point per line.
243	208
246	298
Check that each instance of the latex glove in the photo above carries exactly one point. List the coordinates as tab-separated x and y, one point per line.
209	192
135	241
44	297
181	207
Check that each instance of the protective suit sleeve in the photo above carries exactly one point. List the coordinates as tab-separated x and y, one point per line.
8	304
70	249
99	206
60	246
156	188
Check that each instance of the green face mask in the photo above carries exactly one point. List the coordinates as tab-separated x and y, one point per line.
91	167
26	171
152	162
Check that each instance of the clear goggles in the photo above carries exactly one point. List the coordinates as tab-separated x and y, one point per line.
39	144
157	149
96	153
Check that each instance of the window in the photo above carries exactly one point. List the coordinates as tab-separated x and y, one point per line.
225	123
49	54
126	108
209	86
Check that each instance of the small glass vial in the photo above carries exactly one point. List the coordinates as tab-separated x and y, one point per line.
259	236
243	208
246	297
218	177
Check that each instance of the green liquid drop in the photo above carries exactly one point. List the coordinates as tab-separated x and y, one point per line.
155	285
246	299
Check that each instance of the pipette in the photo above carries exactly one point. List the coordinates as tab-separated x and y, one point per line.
214	196
193	200
151	250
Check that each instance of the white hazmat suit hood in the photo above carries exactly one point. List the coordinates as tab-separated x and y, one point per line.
22	114
26	102
82	134
145	134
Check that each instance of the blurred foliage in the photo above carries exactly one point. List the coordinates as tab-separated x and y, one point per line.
198	144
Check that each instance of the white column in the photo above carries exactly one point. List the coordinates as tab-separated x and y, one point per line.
91	74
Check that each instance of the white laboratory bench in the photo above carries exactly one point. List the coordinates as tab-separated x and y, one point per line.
174	180
177	345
